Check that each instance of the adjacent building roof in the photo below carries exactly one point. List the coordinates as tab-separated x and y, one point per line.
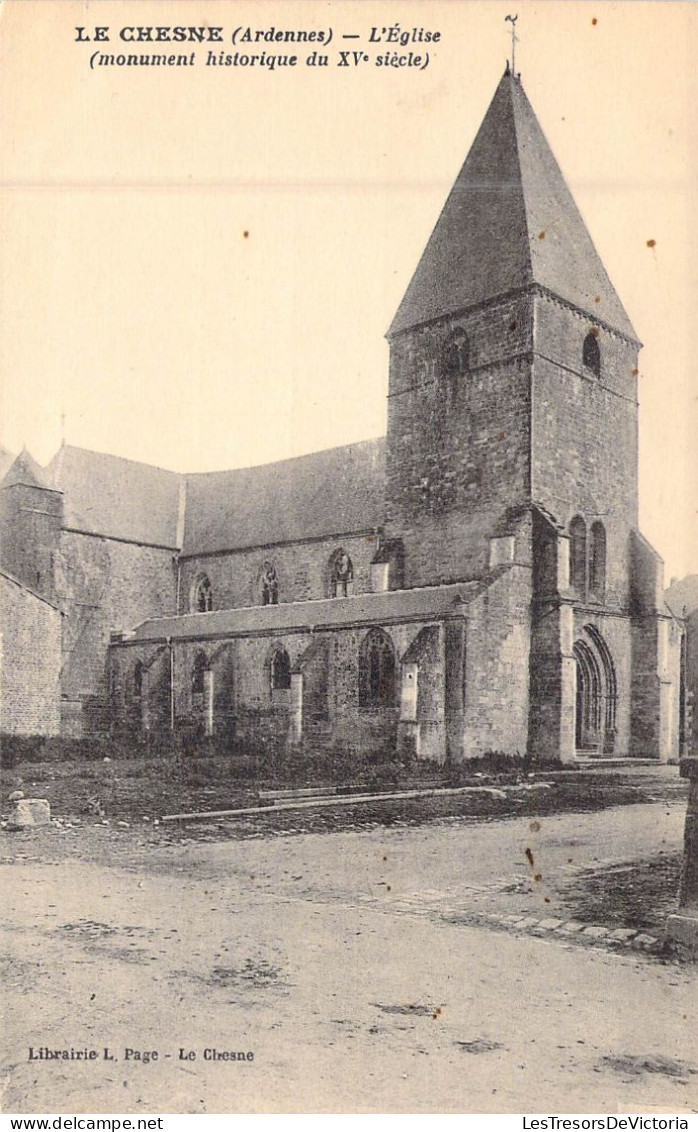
509	221
361	609
332	492
682	596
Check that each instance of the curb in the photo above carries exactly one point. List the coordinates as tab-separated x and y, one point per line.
571	930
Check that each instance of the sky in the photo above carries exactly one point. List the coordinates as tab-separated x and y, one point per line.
198	265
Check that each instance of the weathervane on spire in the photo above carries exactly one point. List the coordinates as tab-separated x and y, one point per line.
514	40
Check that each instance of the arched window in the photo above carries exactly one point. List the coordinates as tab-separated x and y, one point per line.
269	584
578	555
591	354
202	596
138	680
455	359
376	671
280	671
597	561
341	573
199	670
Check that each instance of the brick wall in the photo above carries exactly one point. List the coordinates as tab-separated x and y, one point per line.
30	661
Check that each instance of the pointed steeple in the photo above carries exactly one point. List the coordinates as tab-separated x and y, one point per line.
26	471
509	221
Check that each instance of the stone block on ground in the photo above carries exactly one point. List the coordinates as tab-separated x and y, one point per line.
595	931
682	934
623	934
29	812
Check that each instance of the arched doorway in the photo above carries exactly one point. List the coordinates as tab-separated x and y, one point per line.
595	695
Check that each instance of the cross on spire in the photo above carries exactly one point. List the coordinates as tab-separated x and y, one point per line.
514	40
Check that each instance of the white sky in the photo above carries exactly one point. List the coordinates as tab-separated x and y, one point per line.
132	300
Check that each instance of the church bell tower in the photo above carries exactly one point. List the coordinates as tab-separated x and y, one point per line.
512	364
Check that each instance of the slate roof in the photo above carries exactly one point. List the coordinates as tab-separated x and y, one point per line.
107	495
25	470
337	491
27	589
368	609
332	492
509	221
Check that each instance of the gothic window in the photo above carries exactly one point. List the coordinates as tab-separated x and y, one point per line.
202	597
138	680
597	561
200	668
456	355
280	671
269	584
341	573
578	556
376	671
591	354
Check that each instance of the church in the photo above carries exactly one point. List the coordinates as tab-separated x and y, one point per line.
473	582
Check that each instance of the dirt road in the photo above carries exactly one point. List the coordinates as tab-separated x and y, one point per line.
346	964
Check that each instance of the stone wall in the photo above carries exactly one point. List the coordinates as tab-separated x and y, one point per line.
302	569
496	704
30	524
105	585
584	430
691	684
247	708
30	662
458	445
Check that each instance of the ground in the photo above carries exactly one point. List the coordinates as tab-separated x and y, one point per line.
434	967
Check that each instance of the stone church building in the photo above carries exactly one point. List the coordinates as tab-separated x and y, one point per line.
475	581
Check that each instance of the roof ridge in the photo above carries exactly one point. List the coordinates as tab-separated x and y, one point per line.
289	459
112	456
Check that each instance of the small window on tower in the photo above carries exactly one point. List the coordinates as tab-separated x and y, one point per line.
591	354
578	556
456	355
597	561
